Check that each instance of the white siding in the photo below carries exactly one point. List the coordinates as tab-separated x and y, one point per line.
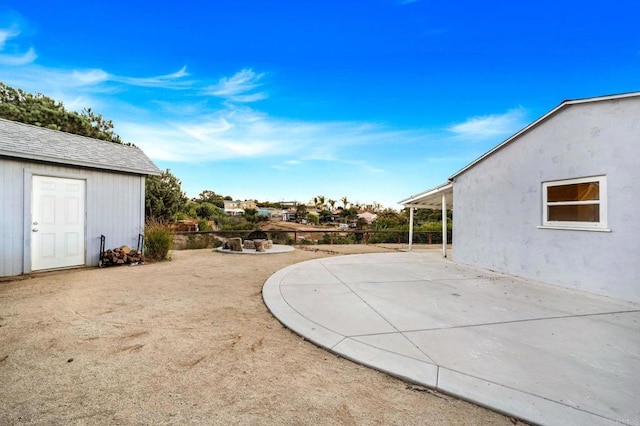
497	203
115	208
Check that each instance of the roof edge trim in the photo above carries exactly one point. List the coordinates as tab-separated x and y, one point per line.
26	156
538	122
407	202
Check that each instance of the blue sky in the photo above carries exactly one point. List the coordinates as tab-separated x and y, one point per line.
281	100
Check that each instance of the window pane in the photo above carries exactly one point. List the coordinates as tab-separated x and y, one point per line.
574	192
581	213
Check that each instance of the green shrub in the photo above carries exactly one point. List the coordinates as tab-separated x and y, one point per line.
203	225
195	242
158	240
201	241
281	238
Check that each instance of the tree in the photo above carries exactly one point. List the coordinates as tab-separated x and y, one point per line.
207	210
345	202
350	213
319	202
211	197
301	210
40	110
164	196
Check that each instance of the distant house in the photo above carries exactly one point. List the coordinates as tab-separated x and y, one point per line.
557	201
368	216
237	207
266	212
60	192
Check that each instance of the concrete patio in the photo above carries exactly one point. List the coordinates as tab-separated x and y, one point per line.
538	352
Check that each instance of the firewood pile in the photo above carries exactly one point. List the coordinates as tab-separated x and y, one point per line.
122	255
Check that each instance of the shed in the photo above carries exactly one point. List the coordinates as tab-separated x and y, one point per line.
60	192
555	202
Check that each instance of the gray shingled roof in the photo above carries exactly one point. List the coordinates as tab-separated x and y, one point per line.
25	141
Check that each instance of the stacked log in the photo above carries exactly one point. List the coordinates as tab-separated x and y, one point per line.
121	255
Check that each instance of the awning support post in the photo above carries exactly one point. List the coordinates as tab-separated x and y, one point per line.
444	225
410	227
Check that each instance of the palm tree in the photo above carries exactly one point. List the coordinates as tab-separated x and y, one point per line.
332	203
345	202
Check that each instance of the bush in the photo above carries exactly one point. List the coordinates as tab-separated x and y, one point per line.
281	238
203	225
337	239
201	241
158	240
195	242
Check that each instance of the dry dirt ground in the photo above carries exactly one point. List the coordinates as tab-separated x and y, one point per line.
188	341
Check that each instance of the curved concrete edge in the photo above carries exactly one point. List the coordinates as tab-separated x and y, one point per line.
499	398
513	402
400	366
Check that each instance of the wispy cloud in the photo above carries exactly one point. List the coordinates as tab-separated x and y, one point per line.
89	77
19	59
232	133
193	130
6	34
489	126
239	87
14	57
168	81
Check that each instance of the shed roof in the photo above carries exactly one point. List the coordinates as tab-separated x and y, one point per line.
19	140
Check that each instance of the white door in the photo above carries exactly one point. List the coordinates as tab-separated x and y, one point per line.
57	222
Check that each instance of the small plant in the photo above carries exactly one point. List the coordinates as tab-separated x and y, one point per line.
203	225
195	242
158	240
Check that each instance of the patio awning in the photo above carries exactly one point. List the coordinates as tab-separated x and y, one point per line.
432	198
440	197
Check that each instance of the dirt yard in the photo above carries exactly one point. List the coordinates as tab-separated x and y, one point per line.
188	341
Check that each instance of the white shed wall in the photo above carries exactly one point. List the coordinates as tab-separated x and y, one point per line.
114	207
498	202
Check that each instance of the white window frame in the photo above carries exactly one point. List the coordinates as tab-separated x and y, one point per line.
585	226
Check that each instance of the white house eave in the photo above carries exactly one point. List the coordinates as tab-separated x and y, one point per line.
432	198
541	120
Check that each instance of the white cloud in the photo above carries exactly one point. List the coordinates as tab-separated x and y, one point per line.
19	59
234	132
167	81
6	34
14	58
89	77
493	125
237	87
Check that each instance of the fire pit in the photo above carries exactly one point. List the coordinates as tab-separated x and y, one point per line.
257	242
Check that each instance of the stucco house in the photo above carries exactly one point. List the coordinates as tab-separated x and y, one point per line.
60	192
557	201
237	207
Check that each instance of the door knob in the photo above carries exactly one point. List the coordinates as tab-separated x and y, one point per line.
34	230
